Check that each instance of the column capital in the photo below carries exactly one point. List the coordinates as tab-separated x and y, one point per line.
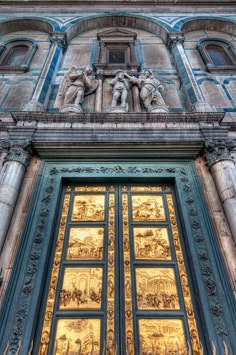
19	151
174	38
59	39
218	150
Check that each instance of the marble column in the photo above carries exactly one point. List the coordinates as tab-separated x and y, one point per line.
223	170
12	174
190	85
42	92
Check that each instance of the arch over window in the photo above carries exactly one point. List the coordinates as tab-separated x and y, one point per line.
218	55
16	55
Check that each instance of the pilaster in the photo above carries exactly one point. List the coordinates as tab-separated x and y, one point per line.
194	95
44	86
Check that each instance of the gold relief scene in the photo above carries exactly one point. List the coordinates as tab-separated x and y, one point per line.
85	244
162	337
151	243
82	288
77	337
88	208
156	288
148	208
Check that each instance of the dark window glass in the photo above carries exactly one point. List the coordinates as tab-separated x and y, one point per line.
16	56
116	57
218	55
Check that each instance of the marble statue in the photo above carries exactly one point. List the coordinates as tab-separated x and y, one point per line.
150	92
74	87
120	88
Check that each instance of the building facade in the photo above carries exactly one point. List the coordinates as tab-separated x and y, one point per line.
117	177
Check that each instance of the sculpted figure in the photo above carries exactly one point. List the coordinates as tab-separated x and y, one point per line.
75	85
119	93
150	92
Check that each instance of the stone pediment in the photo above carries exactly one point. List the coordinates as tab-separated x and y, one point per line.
117	33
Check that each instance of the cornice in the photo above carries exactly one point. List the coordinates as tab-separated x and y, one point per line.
48	117
130	3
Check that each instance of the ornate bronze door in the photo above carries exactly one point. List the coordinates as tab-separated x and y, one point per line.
118	283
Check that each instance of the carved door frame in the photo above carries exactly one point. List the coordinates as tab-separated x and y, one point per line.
215	305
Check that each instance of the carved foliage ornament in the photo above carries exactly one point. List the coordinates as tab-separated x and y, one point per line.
216	150
19	151
201	246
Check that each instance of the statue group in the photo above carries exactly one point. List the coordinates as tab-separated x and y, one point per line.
77	84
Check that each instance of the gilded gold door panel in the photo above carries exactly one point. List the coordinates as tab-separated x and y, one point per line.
162	336
156	288
81	288
118	284
85	243
88	208
77	336
151	243
148	208
81	296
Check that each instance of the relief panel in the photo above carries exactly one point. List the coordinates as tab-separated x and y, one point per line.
148	208
88	208
82	288
162	336
85	244
156	288
77	336
151	243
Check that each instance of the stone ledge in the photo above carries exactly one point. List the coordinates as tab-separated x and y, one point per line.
49	117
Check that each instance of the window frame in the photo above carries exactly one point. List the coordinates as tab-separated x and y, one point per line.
228	50
7	47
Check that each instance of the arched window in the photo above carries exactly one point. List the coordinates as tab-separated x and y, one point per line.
218	55
16	55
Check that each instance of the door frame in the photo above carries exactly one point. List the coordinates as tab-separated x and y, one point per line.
215	306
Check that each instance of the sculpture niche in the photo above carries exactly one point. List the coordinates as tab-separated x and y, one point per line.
150	92
119	93
74	87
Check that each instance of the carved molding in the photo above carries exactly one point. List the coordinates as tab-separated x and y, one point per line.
218	149
19	151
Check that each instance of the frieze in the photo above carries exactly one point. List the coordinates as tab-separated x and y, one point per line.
217	150
201	247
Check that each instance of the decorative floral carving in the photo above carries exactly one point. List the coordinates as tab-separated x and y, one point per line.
218	149
216	309
19	151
